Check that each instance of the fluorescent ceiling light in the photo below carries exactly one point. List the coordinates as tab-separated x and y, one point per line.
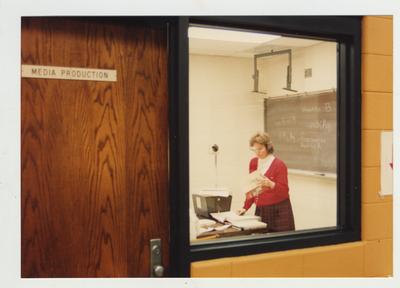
229	35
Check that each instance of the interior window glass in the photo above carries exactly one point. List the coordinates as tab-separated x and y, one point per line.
262	134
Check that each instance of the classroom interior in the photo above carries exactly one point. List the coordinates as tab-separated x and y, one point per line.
227	107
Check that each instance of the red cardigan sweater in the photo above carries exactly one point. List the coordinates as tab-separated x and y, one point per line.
277	173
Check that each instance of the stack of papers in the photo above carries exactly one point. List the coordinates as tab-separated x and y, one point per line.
245	222
209	229
249	224
230	216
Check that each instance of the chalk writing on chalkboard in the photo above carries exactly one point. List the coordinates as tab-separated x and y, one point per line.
303	129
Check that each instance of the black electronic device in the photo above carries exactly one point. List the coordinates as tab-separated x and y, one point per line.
205	204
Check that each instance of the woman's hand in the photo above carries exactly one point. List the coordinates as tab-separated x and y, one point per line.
241	211
266	182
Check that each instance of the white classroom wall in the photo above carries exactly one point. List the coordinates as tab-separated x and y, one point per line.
224	111
321	58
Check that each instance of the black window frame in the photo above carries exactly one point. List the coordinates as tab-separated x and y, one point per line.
346	31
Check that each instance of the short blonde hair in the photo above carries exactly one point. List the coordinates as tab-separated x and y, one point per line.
263	138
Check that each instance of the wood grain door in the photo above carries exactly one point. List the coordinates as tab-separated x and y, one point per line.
94	155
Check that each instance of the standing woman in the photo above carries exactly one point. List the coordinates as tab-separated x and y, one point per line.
272	197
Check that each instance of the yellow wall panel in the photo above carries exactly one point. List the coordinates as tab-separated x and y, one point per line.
377	73
378	258
377	111
370	148
212	268
370	186
335	261
377	36
380	16
377	221
281	264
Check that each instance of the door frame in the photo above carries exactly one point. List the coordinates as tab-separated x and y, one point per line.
178	112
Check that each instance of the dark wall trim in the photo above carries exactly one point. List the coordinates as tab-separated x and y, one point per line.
263	245
320	27
342	29
179	146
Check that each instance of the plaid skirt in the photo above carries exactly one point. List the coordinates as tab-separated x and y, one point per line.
279	217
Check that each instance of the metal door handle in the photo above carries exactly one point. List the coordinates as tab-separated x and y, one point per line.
156	268
158	271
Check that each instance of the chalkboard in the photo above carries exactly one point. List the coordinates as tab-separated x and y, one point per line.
303	130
